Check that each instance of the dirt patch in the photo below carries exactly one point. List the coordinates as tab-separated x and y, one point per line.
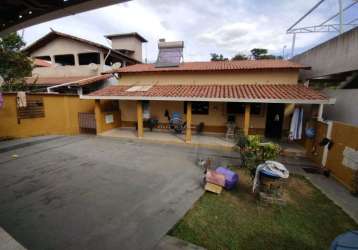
300	186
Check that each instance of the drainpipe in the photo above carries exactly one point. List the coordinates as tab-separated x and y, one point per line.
80	91
109	52
320	113
329	136
49	89
328	133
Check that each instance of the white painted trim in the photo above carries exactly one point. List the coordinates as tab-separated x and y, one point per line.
205	99
49	89
329	136
332	101
320	113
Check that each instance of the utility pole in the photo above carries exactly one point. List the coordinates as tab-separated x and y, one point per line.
283	51
340	16
293	44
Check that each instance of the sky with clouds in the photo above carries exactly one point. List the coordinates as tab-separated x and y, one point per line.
206	26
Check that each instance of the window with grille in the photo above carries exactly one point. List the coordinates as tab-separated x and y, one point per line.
34	108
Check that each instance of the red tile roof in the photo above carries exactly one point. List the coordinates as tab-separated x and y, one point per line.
214	66
74	80
51	80
92	79
42	63
243	92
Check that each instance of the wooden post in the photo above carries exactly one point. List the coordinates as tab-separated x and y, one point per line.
140	119
188	123
247	119
98	116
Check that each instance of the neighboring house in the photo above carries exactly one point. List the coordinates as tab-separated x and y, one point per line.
38	63
334	69
74	61
256	95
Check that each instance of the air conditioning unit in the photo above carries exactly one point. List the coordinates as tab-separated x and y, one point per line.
116	65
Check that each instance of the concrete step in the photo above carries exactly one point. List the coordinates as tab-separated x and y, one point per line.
172	243
9	243
292	152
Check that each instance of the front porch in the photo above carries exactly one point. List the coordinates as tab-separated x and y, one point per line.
190	113
207	140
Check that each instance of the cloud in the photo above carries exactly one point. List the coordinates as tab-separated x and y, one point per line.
226	27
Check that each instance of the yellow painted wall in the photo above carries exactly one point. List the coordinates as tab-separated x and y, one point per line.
217	116
245	77
101	124
61	116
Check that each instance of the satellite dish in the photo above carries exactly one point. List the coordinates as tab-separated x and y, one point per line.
116	65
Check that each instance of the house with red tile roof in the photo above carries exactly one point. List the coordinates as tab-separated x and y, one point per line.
257	96
68	64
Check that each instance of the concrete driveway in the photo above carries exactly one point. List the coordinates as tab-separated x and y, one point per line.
87	192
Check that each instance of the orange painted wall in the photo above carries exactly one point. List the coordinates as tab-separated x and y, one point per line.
61	116
314	151
343	135
100	113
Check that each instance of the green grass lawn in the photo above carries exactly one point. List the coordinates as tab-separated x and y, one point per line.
237	220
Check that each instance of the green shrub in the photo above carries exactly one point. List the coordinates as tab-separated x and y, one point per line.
254	152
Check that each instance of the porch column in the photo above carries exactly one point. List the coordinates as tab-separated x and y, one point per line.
98	116
188	123
247	119
139	119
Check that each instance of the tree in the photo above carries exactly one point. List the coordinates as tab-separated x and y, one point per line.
14	64
239	57
217	57
259	53
267	57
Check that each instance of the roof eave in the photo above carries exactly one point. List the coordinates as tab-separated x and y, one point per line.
204	99
119	71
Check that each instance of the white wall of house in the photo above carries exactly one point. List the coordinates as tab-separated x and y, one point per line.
346	107
130	43
63	46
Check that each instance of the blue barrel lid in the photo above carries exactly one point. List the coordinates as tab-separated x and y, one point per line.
348	240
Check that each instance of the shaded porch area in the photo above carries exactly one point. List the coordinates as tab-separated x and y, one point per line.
208	140
190	112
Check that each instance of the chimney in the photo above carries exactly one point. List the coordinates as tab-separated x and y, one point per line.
129	44
170	53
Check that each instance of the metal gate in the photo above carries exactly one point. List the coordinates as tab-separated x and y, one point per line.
87	122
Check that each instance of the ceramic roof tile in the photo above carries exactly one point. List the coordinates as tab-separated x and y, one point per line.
73	80
240	91
213	66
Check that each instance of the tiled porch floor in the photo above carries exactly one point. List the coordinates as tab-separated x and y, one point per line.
205	140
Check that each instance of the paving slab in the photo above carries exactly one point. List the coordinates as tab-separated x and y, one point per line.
9	145
88	192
